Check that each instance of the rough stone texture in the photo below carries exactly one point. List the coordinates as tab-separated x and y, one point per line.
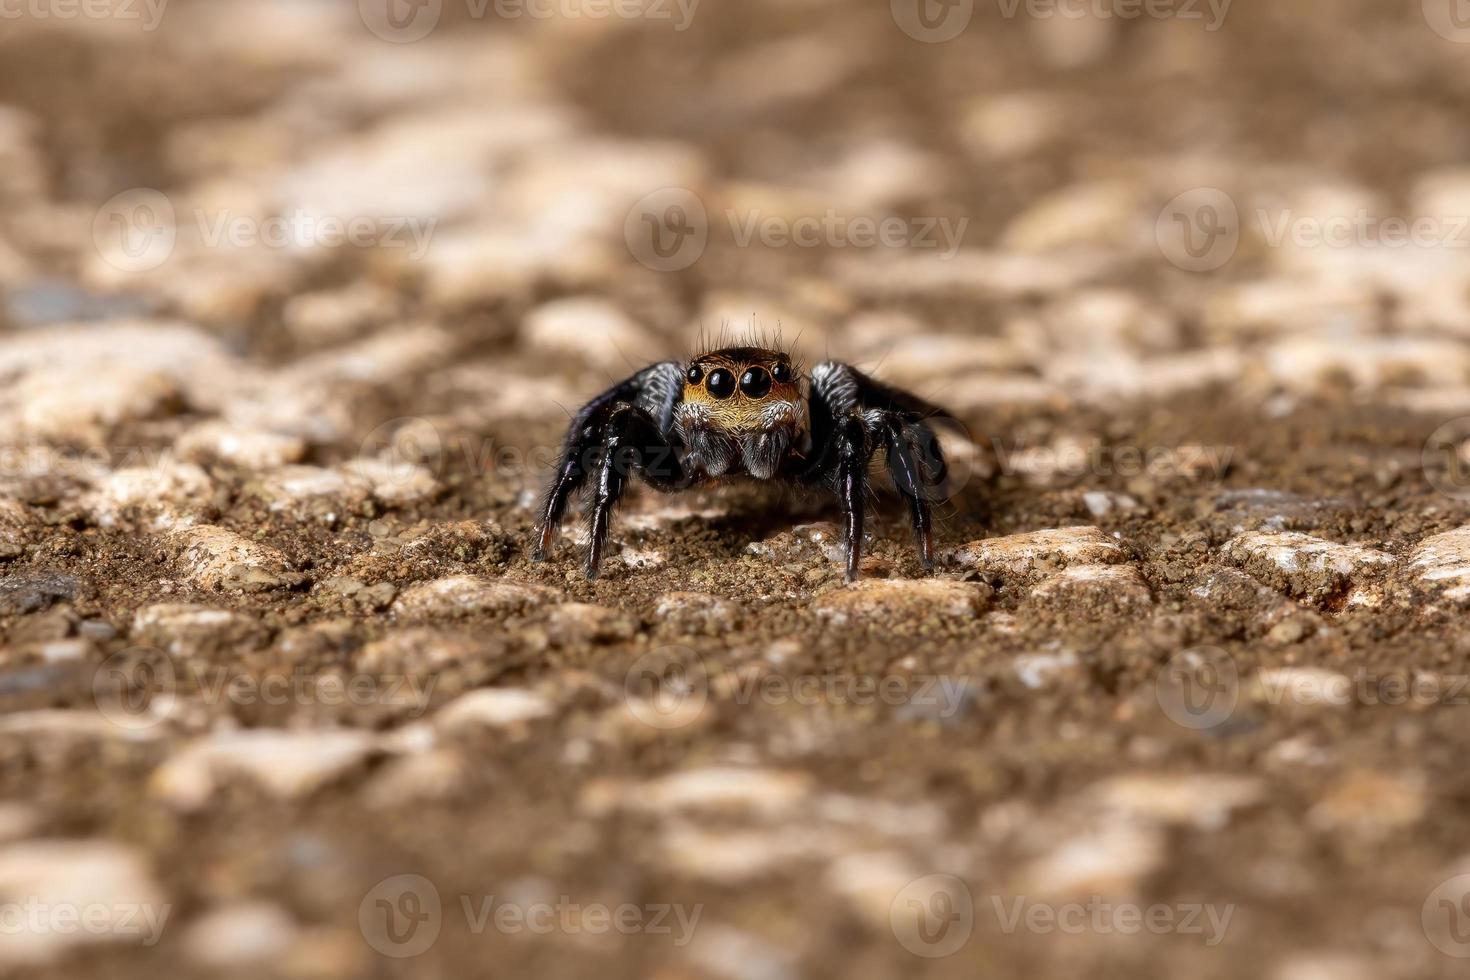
1303	565
284	764
220	559
271	638
1024	557
904	601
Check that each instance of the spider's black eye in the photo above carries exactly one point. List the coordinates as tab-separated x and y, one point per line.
755	382
781	372
695	375
721	383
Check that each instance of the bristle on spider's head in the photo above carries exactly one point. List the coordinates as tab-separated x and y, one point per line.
727	339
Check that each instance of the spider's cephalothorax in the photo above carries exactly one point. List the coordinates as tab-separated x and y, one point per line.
750	411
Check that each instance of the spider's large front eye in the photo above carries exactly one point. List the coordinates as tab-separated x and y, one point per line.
781	372
695	375
755	382
721	383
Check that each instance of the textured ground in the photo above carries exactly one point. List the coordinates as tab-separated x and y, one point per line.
294	308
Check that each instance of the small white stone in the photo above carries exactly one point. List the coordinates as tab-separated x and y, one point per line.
591	330
461	595
1118	587
870	881
249	448
169	492
286	764
1441	563
216	558
241	934
900	600
1025	555
1036	669
766	792
1302	561
494	707
1201	800
1108	861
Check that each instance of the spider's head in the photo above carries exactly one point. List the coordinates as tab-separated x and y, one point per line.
741	405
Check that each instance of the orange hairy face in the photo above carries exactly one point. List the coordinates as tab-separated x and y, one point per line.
737	387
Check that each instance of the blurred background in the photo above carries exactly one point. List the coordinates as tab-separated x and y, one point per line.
296	296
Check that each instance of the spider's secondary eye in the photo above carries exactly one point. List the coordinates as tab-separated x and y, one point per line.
755	382
695	375
721	383
781	372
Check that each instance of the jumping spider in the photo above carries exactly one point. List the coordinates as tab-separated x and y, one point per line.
750	411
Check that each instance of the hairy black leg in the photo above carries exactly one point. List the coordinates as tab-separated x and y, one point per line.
853	454
577	461
654	389
631	444
912	479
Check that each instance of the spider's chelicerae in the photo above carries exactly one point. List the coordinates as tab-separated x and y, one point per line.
748	411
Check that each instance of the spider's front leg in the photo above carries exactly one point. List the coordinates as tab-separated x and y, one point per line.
652	392
853	454
632	443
